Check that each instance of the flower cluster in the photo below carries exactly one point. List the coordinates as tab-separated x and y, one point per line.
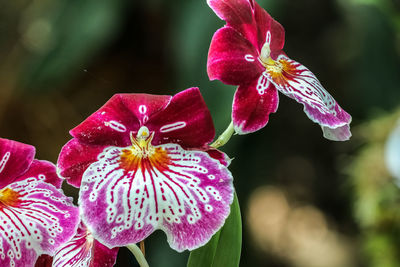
144	162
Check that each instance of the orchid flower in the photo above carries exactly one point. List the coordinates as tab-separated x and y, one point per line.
143	163
35	216
247	52
83	250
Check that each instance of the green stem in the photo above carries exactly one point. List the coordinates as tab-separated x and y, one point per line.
224	137
138	255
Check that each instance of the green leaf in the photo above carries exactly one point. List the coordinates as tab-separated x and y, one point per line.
224	247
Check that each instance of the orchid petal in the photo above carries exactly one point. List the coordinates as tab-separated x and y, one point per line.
250	20
83	250
75	157
220	156
15	159
35	218
185	193
234	12
44	168
299	83
111	124
186	120
232	58
252	105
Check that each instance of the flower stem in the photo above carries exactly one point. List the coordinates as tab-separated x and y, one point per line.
142	248
138	255
224	137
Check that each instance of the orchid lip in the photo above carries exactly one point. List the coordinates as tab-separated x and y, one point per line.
144	187
141	145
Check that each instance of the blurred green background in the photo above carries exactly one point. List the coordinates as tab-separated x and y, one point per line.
305	201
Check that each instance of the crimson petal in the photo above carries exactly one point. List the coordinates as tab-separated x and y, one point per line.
45	168
111	124
186	120
74	159
232	58
252	105
15	159
250	20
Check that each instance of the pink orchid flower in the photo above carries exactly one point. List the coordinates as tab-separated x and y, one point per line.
247	52
35	216
85	251
82	250
143	163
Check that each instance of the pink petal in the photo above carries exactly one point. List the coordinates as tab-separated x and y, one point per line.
231	58
186	194
252	105
220	156
15	159
185	121
123	113
250	20
37	222
74	159
83	250
299	83
45	169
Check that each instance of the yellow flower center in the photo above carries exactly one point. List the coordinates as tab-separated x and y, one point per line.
142	154
8	197
280	70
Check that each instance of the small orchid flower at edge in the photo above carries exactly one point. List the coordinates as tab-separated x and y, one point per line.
143	163
247	52
82	250
35	216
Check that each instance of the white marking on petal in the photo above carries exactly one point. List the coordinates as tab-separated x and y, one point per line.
173	126
208	208
4	160
142	109
262	84
268	37
116	126
249	58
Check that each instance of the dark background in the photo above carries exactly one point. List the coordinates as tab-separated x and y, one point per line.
300	194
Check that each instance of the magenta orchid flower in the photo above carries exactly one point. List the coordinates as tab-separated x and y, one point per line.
84	251
143	163
35	216
247	52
